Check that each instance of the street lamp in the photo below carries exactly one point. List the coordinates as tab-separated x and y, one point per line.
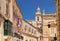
48	25
55	38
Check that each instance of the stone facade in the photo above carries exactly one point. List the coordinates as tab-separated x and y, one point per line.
42	21
6	13
1	25
29	32
49	31
1	28
38	20
58	18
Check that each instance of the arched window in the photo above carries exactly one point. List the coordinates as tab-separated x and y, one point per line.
37	18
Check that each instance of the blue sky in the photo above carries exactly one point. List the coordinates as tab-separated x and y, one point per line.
28	7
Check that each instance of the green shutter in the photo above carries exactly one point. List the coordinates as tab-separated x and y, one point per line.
7	27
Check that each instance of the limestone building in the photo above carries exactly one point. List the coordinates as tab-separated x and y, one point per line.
7	8
38	20
29	32
6	14
46	24
22	28
58	18
14	28
49	27
17	22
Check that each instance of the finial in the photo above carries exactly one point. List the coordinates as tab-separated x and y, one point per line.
43	11
38	8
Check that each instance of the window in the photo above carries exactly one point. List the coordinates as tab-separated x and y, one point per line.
25	25
37	18
29	29
7	27
52	30
34	32
25	28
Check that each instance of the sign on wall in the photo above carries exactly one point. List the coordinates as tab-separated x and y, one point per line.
19	22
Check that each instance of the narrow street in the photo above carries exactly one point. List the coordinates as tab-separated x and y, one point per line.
29	20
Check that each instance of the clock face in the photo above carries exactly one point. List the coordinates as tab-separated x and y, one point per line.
19	22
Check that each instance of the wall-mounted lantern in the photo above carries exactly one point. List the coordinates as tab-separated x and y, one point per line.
49	25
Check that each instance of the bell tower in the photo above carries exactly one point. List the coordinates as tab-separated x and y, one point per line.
38	18
38	15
